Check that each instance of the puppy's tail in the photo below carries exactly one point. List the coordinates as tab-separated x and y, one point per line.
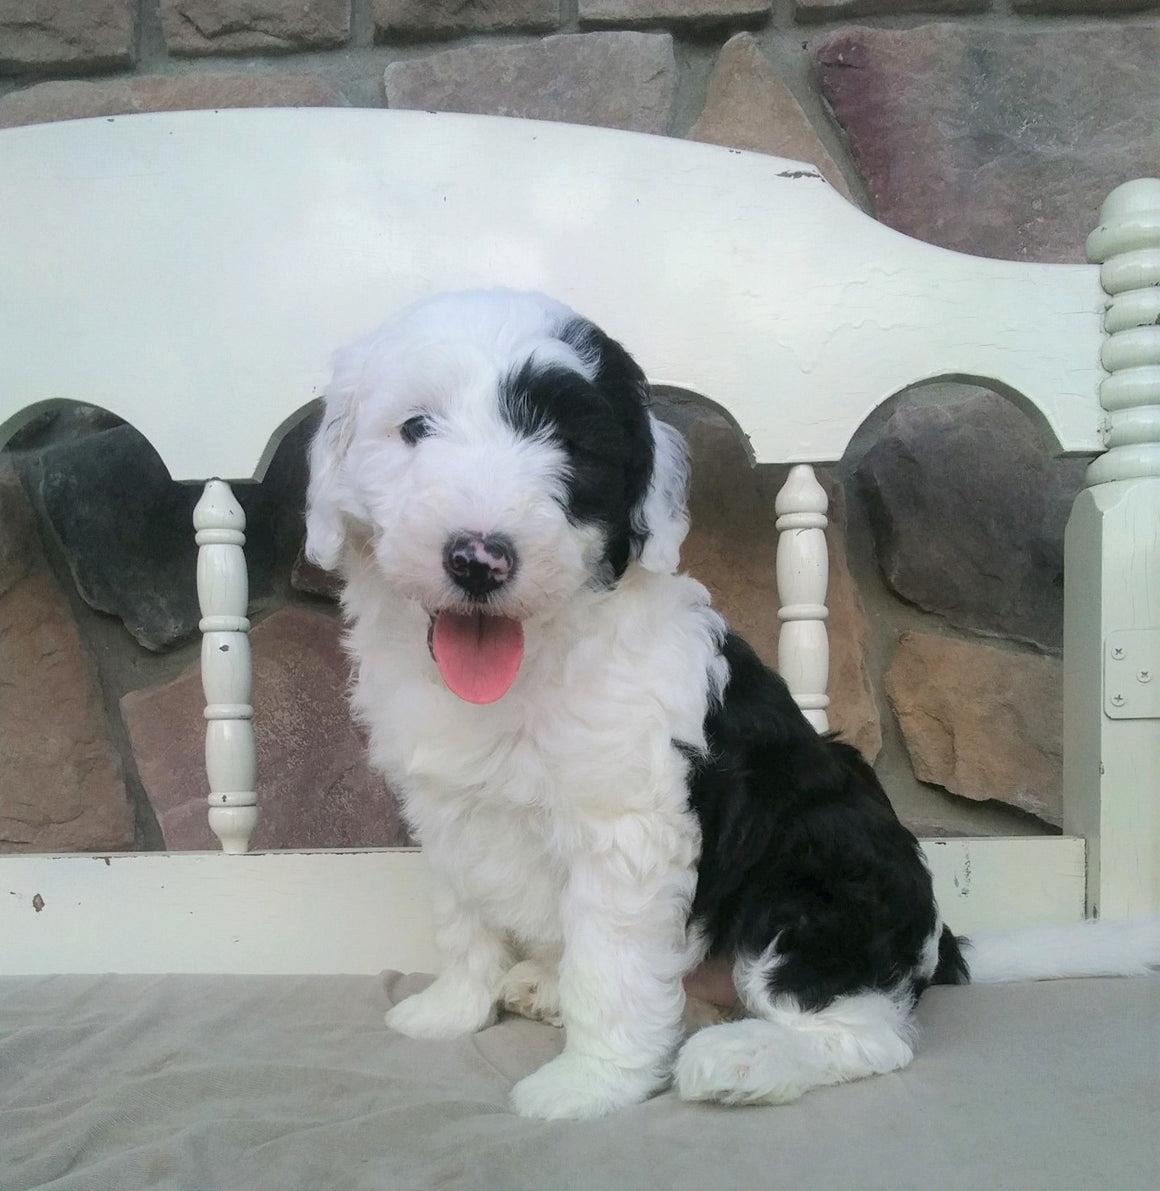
1129	948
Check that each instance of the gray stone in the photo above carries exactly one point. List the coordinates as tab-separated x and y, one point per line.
998	142
59	423
732	548
451	18
125	530
616	80
834	10
253	26
40	35
60	780
19	542
748	107
981	722
1088	7
74	100
313	580
968	511
671	12
315	788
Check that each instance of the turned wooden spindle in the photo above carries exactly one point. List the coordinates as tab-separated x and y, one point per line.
1127	247
226	673
803	647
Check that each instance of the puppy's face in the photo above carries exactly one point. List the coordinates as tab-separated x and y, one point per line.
493	455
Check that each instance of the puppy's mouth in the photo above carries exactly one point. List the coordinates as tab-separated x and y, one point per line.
478	656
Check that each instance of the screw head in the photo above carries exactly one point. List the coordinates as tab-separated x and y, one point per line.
1143	675
1118	652
1117	700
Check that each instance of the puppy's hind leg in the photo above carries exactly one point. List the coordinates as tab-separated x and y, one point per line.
784	1050
463	997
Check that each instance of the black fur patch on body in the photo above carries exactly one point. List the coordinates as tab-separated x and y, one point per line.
800	844
601	425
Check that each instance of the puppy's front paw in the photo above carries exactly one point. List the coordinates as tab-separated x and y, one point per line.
447	1009
531	989
575	1087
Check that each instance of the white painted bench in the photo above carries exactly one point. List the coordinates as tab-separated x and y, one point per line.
193	272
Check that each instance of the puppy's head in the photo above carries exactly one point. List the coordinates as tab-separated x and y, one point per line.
490	455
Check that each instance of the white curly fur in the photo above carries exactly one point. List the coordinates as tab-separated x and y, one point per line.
556	820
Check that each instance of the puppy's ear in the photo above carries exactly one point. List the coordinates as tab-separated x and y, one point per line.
661	520
331	502
657	519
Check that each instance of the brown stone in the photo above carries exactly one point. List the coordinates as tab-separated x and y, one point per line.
73	100
60	781
999	142
982	722
451	18
732	549
748	107
61	789
616	80
69	36
671	12
315	789
853	711
253	26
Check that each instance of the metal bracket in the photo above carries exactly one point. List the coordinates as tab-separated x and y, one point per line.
1132	674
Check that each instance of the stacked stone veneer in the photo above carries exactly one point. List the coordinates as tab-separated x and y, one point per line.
989	128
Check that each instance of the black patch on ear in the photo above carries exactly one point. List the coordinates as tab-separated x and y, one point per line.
601	425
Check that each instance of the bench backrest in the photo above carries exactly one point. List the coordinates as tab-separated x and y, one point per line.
193	272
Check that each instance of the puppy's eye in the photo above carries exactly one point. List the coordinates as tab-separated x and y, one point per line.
415	428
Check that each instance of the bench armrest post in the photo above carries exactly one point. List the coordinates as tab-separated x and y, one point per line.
226	672
803	572
1111	620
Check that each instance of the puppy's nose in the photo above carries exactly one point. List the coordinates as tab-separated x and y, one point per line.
479	563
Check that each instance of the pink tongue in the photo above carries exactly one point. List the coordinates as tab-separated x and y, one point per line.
478	656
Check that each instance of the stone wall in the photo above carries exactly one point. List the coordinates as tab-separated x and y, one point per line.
989	128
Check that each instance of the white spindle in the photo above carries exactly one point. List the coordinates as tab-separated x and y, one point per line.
226	674
803	647
1127	246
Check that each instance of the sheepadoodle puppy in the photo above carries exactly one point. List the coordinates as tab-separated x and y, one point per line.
614	795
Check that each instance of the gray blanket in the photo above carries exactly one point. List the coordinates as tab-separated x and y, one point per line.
248	1083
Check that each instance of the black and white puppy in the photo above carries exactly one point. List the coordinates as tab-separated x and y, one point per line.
613	793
